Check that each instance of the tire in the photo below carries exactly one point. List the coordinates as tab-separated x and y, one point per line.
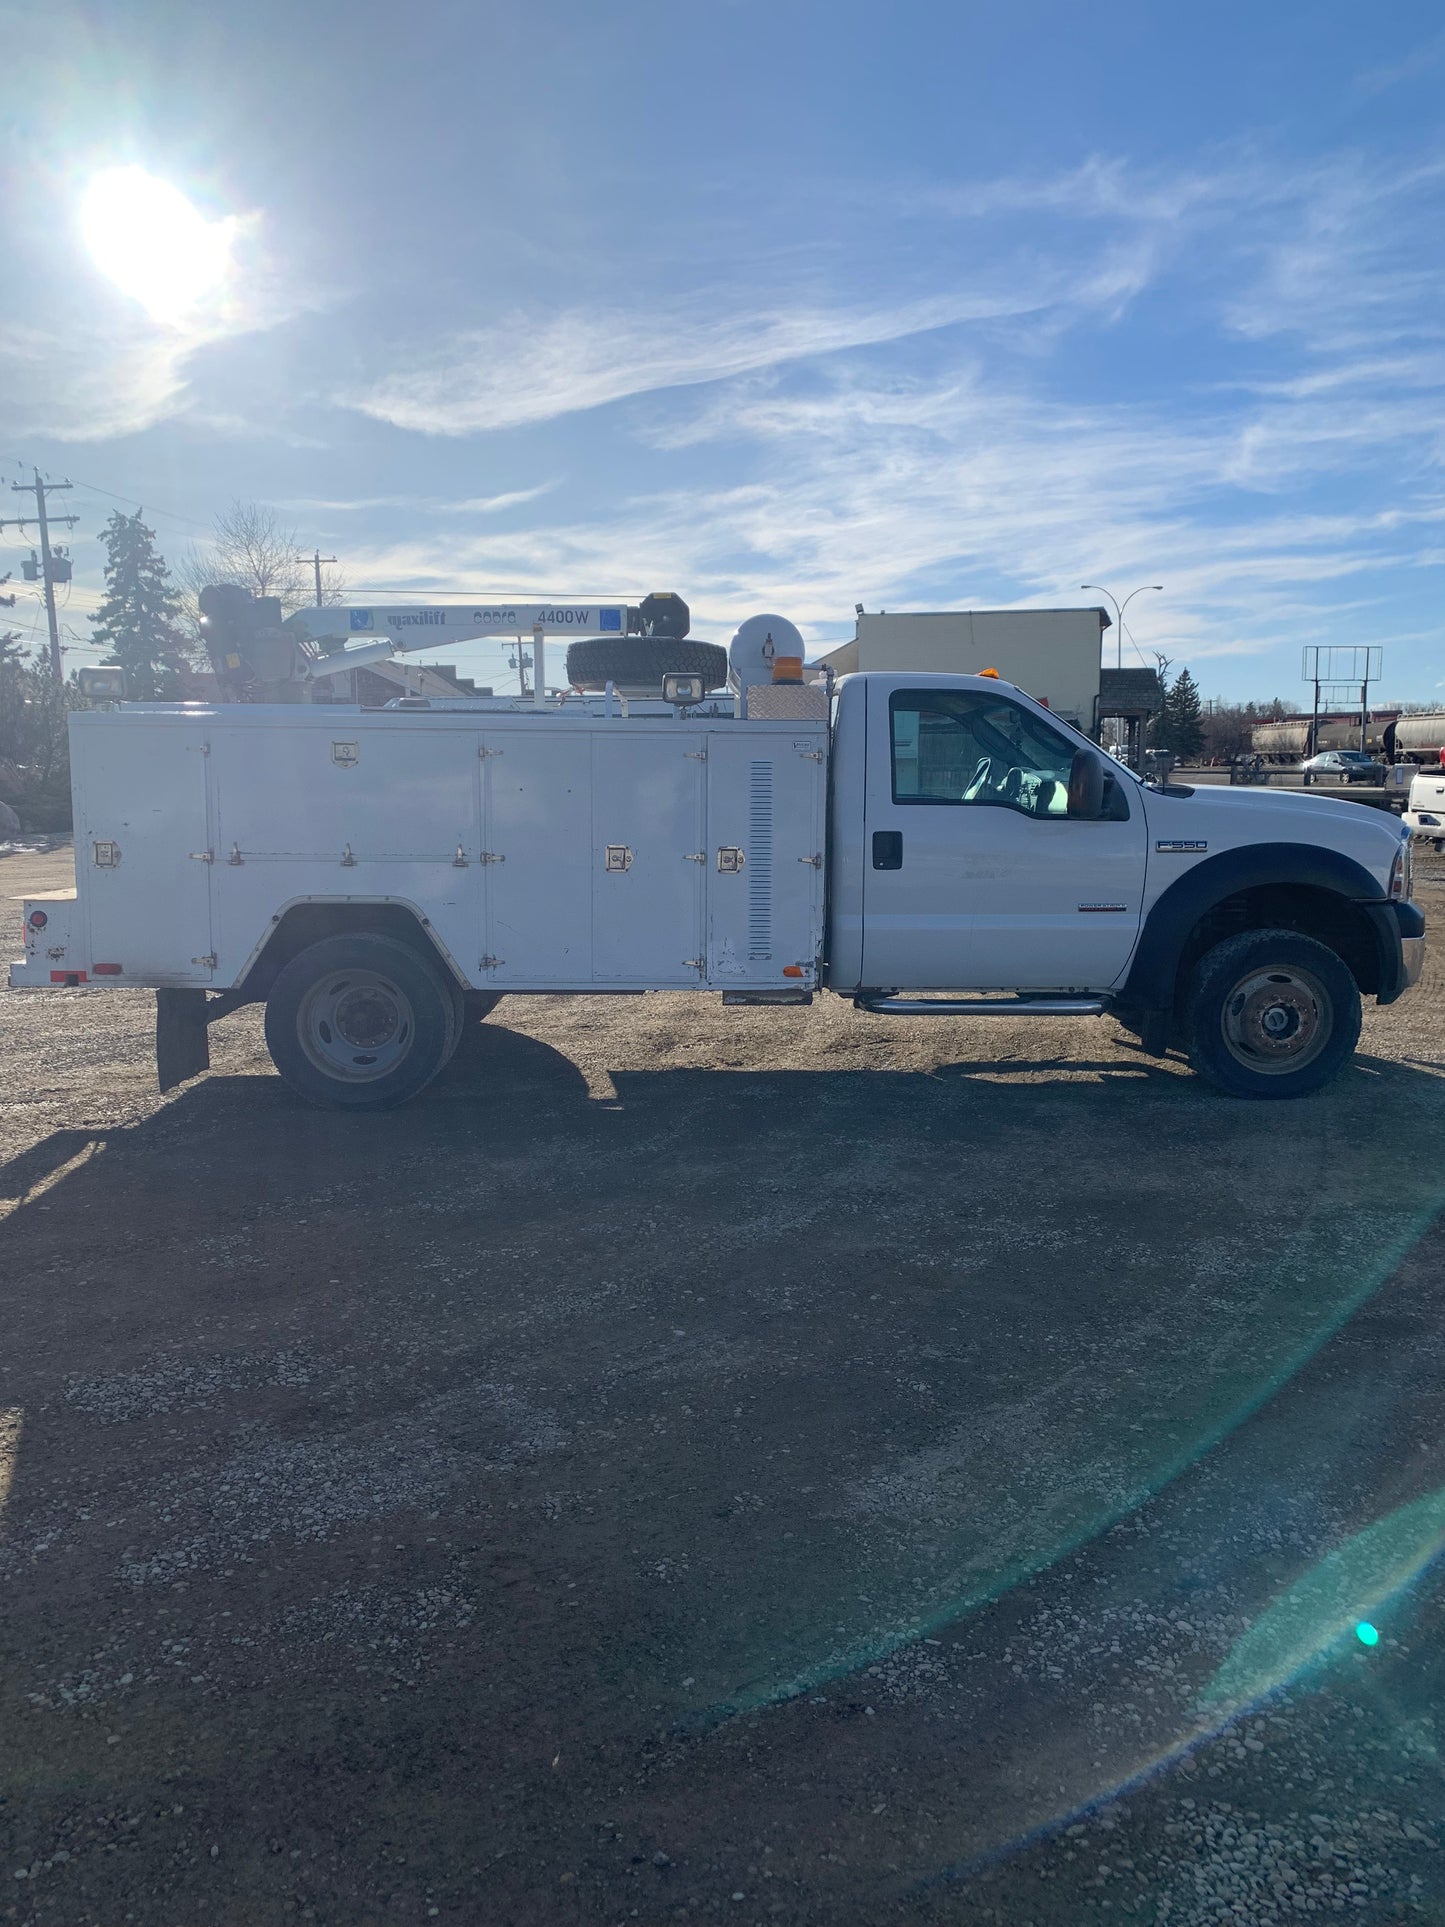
403	1018
457	998
1272	1014
637	664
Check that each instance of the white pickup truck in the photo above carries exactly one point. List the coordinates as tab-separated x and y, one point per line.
919	843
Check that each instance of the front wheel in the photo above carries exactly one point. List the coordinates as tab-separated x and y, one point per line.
361	1023
1271	1013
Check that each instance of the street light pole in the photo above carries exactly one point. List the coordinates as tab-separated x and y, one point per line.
1120	607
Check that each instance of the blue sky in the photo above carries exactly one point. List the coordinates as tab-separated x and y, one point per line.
782	306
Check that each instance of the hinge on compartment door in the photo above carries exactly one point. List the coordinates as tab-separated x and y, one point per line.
811	755
490	856
697	755
203	856
815	861
695	856
490	963
484	752
694	963
209	960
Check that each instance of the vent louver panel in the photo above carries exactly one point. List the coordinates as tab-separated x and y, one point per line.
760	860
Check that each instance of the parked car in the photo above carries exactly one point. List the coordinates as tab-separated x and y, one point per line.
1346	766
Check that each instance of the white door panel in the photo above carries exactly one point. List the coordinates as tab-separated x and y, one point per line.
647	821
537	825
144	801
763	850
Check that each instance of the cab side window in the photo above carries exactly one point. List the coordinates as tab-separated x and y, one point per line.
964	747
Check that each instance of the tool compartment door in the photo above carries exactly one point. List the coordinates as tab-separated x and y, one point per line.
647	834
142	838
764	851
537	863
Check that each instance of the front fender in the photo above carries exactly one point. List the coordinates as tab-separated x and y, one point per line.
1154	970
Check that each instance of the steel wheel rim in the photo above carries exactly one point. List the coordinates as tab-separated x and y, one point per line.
1277	1020
357	1025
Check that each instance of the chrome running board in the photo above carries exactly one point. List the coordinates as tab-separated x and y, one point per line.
882	1006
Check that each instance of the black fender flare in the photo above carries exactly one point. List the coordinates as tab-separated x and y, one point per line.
1154	970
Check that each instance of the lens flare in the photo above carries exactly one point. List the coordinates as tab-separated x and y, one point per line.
153	243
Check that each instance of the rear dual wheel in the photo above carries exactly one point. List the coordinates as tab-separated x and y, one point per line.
362	1023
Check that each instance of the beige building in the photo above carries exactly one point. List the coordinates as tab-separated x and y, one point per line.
1054	654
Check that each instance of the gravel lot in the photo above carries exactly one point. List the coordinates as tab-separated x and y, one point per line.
788	1466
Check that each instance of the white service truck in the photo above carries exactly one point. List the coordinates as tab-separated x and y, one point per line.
923	844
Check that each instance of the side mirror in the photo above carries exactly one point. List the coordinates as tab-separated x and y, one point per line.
1086	785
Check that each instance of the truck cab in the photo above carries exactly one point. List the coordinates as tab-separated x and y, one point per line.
999	851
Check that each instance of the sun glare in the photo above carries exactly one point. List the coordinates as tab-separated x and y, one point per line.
153	243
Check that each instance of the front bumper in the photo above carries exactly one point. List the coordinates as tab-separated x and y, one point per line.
1399	947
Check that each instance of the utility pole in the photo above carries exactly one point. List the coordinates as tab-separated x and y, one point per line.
316	560
48	570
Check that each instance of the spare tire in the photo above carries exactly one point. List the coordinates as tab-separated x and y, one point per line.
637	664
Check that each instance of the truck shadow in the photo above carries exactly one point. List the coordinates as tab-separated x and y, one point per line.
708	1394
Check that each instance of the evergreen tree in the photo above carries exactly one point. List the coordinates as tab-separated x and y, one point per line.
1183	718
137	622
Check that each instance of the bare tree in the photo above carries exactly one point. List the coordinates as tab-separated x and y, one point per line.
256	550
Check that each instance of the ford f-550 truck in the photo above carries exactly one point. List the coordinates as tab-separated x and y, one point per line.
924	844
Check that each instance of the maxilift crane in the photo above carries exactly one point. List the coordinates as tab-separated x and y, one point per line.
260	657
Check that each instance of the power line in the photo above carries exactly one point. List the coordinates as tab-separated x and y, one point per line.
128	501
490	595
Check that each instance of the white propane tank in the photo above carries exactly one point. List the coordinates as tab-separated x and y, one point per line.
752	649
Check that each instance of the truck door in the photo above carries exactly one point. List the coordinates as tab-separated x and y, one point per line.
975	875
647	830
143	849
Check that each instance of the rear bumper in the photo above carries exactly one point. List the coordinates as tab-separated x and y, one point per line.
1412	954
54	956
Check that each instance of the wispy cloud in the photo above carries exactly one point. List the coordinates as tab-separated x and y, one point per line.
1419	60
534	369
421	504
1273	479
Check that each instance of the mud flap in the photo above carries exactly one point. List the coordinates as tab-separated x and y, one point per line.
182	1044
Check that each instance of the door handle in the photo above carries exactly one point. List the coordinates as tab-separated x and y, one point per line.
888	849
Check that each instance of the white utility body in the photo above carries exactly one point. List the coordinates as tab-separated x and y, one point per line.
918	842
546	850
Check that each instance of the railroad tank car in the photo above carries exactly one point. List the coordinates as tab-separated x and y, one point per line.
1289	741
1421	739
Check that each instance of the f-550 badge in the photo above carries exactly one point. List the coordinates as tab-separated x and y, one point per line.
1179	848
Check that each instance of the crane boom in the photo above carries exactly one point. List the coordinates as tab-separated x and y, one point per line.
425	625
